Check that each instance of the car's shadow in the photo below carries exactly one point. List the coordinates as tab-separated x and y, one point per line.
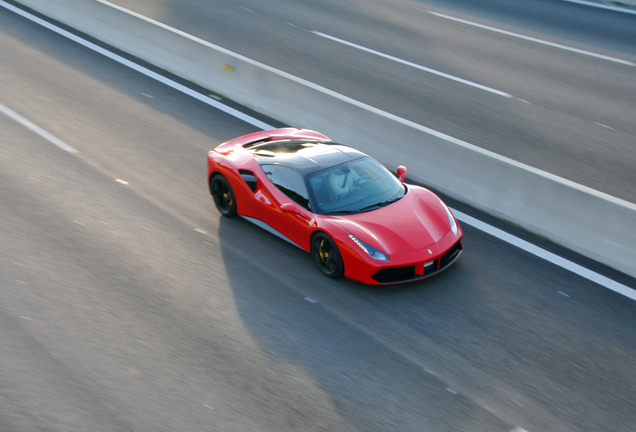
341	338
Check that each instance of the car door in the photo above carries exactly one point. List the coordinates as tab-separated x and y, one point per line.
292	214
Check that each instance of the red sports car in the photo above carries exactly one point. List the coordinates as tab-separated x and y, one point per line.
336	203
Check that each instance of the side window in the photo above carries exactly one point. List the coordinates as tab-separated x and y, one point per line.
290	183
268	170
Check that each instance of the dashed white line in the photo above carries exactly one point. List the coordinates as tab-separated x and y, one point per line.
605	126
311	300
562	293
531	39
26	318
124	182
451	390
199	230
414	65
249	10
548	256
38	130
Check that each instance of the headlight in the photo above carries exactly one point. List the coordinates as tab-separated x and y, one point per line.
451	219
373	252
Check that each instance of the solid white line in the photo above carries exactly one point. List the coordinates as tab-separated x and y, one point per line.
38	130
482	226
415	65
603	6
548	256
531	39
140	69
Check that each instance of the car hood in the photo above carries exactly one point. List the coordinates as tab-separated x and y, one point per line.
416	221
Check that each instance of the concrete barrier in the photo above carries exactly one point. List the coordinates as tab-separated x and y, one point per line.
594	224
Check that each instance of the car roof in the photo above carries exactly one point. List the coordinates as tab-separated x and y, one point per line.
304	156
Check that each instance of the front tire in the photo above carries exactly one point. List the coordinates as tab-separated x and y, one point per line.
327	255
223	195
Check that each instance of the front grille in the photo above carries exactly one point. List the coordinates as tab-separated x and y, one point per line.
450	256
405	274
395	274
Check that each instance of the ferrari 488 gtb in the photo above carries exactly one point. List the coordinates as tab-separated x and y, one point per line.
340	205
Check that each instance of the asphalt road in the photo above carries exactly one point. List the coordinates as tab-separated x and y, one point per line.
570	114
132	305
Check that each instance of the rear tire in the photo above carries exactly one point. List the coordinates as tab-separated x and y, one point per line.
327	255
223	195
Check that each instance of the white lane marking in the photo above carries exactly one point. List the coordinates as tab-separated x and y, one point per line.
119	59
563	294
531	39
147	95
548	256
308	84
199	230
293	25
311	300
414	65
482	226
605	126
22	282
26	318
453	391
518	429
79	223
603	6
124	182
34	128
207	406
249	10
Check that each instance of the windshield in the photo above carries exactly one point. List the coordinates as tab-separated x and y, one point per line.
357	186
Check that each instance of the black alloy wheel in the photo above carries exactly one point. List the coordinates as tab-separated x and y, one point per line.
327	255
223	195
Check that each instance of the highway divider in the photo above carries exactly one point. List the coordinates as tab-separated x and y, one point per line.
589	222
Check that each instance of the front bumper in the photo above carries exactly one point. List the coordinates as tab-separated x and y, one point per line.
418	271
404	267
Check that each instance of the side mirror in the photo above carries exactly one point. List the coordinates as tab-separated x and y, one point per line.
401	172
291	208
